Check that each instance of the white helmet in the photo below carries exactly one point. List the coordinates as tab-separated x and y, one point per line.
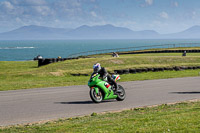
96	67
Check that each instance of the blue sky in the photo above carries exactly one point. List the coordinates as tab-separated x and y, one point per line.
163	16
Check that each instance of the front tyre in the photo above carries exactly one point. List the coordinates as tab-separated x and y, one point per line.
97	98
121	94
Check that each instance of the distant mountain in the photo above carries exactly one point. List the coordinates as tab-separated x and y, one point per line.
190	33
34	32
108	31
105	31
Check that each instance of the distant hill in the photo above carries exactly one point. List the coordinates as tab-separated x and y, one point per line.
105	31
190	33
33	32
109	32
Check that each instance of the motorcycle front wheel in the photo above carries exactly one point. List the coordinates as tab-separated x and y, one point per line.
121	95
97	98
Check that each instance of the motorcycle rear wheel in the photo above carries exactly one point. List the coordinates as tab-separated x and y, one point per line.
97	98
121	95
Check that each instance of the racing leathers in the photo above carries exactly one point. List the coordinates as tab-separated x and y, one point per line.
103	74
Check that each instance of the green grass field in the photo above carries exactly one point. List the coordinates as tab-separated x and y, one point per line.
24	75
181	117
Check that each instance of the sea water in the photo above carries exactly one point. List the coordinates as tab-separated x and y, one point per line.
21	50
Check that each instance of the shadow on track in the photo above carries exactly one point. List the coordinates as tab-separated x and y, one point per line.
192	92
81	102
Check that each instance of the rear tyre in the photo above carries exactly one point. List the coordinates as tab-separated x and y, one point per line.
97	98
121	94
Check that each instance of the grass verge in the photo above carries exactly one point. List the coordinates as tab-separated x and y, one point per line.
179	117
16	75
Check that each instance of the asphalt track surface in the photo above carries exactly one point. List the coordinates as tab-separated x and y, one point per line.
34	105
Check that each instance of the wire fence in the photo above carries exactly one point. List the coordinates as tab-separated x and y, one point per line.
95	52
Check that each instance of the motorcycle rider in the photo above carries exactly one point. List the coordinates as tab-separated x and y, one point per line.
103	74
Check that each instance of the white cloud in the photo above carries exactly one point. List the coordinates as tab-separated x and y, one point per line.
29	2
194	13
8	5
93	14
43	10
149	2
176	4
164	15
18	19
68	8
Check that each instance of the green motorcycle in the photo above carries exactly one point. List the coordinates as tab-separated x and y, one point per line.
102	90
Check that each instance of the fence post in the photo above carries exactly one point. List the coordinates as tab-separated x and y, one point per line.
134	48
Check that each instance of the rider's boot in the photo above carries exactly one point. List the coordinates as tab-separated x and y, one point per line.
116	90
